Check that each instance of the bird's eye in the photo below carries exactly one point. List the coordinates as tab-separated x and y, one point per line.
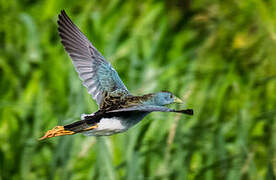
171	96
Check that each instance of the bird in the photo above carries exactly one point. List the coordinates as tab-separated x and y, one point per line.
118	109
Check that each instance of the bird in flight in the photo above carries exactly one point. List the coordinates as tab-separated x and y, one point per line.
118	108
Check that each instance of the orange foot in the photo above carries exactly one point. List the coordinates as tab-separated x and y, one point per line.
56	131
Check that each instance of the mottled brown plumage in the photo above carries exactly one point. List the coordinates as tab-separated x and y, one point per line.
120	102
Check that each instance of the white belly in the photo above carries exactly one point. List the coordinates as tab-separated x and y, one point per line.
106	127
109	126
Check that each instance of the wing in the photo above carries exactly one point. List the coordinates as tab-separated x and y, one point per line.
152	108
96	73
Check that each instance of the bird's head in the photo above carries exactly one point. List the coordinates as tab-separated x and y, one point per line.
165	98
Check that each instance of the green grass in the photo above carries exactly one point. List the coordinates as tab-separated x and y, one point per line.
217	55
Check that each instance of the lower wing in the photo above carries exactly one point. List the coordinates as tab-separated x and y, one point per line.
152	108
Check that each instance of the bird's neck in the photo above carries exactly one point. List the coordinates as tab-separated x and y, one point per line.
149	99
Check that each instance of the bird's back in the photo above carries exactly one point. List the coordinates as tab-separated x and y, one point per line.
120	102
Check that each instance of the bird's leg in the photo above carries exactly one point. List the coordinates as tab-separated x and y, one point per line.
57	131
91	127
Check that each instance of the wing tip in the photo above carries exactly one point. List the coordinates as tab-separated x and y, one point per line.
62	13
63	17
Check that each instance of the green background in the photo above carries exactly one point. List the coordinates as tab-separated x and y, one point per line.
219	56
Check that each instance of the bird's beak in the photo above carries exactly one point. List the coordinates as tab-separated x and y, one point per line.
177	100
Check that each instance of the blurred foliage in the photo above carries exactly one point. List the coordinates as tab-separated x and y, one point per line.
217	55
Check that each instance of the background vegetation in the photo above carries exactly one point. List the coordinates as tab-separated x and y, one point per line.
217	55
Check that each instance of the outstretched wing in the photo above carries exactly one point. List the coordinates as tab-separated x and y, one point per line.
96	73
152	108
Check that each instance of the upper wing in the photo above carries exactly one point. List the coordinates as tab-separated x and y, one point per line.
152	108
96	73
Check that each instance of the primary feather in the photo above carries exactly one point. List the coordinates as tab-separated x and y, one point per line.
97	75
